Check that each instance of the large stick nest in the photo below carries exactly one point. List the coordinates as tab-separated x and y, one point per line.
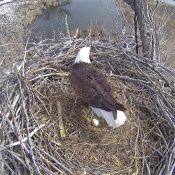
46	130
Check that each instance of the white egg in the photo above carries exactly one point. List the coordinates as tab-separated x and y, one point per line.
95	122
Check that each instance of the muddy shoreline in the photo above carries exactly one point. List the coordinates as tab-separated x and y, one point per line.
15	18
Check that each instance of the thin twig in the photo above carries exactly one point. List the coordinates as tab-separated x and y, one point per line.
22	140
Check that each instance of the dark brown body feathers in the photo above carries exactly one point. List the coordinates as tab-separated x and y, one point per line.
91	85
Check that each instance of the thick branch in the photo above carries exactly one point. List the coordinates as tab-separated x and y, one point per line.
146	27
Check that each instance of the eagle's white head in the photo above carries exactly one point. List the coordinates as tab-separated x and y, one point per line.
83	55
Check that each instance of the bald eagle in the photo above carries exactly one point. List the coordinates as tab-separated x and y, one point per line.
91	85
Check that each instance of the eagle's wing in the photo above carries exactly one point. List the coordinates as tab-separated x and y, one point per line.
91	85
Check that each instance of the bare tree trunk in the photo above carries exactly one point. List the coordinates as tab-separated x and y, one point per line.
147	27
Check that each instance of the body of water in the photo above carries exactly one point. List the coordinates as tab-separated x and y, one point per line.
172	2
80	14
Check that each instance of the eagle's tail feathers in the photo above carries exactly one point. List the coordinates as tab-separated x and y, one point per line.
109	117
